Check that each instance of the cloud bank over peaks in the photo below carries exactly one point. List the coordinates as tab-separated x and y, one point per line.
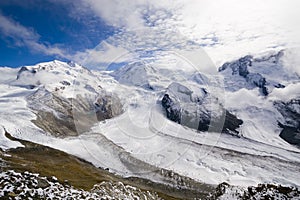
146	30
226	30
131	14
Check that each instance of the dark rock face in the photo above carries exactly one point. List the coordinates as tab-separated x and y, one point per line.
229	126
243	65
204	123
66	83
172	110
291	126
108	106
290	134
231	123
226	122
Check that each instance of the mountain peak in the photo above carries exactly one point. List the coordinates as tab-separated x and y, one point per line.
265	72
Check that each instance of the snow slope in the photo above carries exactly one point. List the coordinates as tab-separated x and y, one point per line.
142	140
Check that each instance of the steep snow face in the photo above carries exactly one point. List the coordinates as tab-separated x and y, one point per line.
141	141
141	74
155	76
180	92
136	74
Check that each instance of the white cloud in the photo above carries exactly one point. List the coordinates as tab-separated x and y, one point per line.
23	36
292	91
117	13
125	14
225	29
291	60
16	31
239	27
244	97
101	56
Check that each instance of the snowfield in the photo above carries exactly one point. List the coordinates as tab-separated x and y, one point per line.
141	139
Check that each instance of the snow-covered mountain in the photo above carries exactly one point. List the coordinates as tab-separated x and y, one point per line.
240	126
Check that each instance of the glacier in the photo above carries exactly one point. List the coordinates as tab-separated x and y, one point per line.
115	119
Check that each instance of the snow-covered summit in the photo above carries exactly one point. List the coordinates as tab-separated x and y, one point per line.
266	73
56	76
137	74
60	93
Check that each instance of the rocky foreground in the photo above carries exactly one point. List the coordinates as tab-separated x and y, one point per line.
28	185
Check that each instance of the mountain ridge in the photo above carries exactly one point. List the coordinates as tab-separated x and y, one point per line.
73	109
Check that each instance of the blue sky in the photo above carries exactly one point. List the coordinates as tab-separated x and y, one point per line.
109	33
53	25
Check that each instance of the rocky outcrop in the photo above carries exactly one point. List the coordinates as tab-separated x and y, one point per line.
194	111
108	106
25	69
241	67
71	116
173	111
261	191
259	81
231	123
238	67
291	125
54	114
